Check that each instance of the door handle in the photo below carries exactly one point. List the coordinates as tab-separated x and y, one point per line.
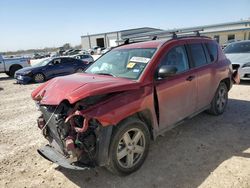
190	78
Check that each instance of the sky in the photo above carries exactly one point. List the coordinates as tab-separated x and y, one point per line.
26	24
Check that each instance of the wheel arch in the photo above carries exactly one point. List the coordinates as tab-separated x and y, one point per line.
13	68
15	65
145	116
227	81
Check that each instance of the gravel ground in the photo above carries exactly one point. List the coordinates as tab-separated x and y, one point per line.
206	151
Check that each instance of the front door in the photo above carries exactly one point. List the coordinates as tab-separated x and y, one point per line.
176	94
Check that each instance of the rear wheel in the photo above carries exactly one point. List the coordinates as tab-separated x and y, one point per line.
220	100
129	147
39	77
13	69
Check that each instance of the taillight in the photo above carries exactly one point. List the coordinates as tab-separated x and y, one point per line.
29	62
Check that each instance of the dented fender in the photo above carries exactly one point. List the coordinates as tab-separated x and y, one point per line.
120	106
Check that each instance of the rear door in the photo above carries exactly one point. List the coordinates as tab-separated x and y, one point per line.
71	65
56	67
204	64
176	94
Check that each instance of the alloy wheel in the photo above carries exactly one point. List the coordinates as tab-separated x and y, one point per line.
131	148
221	99
39	78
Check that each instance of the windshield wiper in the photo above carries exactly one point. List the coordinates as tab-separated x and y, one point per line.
104	73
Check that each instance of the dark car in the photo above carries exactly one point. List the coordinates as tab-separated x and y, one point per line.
134	93
50	68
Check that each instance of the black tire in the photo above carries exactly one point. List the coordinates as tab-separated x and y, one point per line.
219	102
7	73
137	147
13	69
39	78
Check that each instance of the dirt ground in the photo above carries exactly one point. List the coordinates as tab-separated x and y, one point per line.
205	151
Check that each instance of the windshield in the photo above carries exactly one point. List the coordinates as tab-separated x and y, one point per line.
124	63
242	47
42	63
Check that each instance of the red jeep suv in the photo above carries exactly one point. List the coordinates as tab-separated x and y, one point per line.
130	95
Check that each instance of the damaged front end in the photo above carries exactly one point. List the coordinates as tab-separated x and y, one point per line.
74	137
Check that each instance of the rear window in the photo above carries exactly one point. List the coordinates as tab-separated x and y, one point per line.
198	54
213	51
241	47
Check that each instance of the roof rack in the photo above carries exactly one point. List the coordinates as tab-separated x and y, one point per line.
174	34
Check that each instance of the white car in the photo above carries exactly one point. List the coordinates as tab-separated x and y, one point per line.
93	50
84	57
106	50
239	54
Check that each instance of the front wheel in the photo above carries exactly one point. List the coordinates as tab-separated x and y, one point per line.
219	103
39	78
129	147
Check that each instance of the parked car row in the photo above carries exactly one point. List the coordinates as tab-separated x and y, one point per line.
50	68
98	50
72	52
45	69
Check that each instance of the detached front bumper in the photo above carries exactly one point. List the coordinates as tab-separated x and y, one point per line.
51	154
22	79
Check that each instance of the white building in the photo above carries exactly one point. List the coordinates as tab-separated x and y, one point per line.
111	39
224	32
227	31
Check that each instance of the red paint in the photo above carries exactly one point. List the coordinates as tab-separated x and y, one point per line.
177	97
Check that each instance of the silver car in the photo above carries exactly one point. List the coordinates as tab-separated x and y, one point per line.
239	54
84	57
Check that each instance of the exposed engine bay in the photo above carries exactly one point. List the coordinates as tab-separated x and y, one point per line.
71	132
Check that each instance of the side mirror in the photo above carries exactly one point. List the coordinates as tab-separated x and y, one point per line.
166	71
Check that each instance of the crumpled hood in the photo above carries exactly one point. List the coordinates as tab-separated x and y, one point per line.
79	86
239	58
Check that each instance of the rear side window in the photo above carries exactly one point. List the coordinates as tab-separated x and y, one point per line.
56	61
177	57
213	51
198	54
